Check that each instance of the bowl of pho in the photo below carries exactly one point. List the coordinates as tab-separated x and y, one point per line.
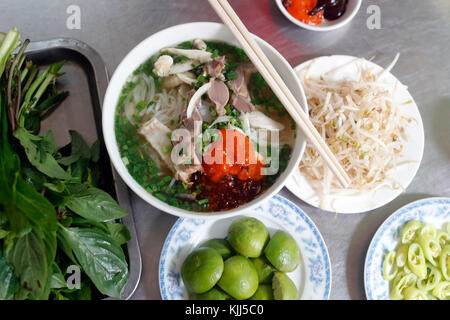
192	127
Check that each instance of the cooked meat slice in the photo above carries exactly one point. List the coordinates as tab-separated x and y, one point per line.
200	44
248	68
163	66
194	54
242	104
158	135
259	120
187	77
218	93
171	82
195	100
175	80
184	66
194	123
214	68
239	85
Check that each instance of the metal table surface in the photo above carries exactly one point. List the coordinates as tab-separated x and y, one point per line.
420	30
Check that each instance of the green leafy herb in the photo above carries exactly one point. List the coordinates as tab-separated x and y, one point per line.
38	155
52	212
94	204
100	257
29	261
9	284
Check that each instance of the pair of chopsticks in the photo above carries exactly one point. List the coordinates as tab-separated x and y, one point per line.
273	79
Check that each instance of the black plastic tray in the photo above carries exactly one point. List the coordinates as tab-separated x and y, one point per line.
86	79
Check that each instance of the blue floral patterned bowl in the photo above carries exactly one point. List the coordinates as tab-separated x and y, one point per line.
312	278
430	210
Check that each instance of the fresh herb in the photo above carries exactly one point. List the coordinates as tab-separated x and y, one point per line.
141	106
180	59
231	75
223	48
215	54
186	45
52	212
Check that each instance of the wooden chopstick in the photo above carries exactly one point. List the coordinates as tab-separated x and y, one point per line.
268	72
278	81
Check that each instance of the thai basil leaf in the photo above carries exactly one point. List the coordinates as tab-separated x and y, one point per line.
3	233
51	245
37	150
64	245
78	169
95	204
67	161
34	177
21	294
3	218
18	221
101	258
79	149
60	296
57	280
79	146
32	123
85	223
9	284
38	209
47	143
119	232
28	257
57	187
84	293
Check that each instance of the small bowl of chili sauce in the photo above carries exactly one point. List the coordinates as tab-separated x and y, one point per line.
319	15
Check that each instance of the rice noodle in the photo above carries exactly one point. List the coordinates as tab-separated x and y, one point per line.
363	126
197	95
166	105
220	119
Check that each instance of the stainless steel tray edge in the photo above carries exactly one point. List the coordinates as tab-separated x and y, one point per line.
101	79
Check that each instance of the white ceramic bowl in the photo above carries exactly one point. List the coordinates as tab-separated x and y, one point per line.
327	25
173	36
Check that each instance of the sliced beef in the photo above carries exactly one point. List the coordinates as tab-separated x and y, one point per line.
239	85
242	104
199	44
218	93
214	68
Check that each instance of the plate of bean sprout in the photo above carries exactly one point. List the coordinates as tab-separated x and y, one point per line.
371	123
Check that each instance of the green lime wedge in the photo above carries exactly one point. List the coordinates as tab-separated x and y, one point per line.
283	287
239	278
264	268
202	269
221	245
282	252
213	294
248	236
264	292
